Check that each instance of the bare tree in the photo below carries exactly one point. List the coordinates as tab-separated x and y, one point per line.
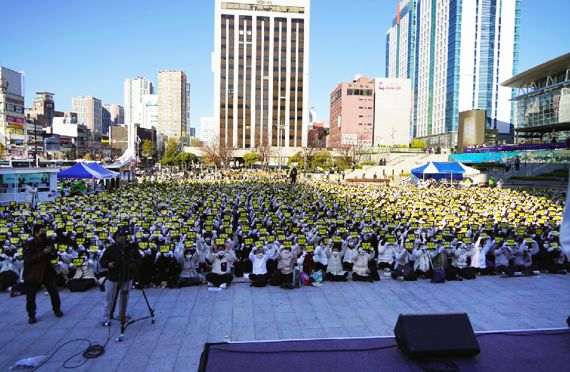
350	154
313	145
219	153
264	152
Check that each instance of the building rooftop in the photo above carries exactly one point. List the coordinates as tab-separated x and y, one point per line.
552	67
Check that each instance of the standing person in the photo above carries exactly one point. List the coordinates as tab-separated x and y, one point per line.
38	270
118	258
293	175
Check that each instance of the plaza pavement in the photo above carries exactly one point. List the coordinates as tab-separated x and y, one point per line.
186	318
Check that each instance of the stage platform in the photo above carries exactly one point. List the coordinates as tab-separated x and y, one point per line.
537	350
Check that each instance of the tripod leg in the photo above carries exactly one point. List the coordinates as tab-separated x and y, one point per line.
150	309
123	309
114	289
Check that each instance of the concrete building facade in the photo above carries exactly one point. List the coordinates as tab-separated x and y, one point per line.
134	90
13	141
352	113
188	107
261	68
392	112
89	112
172	86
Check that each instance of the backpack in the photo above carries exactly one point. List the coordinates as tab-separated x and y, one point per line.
438	275
317	278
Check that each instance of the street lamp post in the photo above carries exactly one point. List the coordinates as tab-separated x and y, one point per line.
280	126
36	142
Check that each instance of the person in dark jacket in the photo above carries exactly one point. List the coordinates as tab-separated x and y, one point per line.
38	270
121	259
293	175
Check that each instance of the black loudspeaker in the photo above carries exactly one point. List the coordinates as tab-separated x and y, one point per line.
436	335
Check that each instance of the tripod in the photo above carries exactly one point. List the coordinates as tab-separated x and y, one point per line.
123	290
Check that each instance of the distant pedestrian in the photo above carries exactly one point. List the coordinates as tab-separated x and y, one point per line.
293	175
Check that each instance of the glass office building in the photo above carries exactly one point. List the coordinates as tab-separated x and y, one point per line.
456	53
542	101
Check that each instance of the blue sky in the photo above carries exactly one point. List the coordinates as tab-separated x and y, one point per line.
79	47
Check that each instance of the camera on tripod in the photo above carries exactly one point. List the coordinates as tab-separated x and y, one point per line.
127	264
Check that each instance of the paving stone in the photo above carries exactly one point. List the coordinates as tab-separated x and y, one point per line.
189	317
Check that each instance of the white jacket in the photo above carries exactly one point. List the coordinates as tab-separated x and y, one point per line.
479	253
423	259
218	263
320	255
361	262
334	262
85	271
259	264
386	253
460	256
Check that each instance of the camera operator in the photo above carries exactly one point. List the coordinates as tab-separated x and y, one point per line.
38	270
120	259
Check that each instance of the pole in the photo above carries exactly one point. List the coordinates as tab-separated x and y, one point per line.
36	142
279	143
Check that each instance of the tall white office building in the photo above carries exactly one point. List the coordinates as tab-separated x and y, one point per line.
134	90
209	130
188	102
456	53
150	111
261	69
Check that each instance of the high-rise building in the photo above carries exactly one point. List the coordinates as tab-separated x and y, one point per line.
43	109
209	130
89	112
113	114
456	53
106	119
134	90
150	111
188	105
392	111
312	115
261	68
352	113
172	103
117	113
12	120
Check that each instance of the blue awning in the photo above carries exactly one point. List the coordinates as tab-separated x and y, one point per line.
81	171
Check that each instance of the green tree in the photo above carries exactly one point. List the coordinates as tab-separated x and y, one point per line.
183	158
148	149
250	158
298	158
195	142
170	152
418	144
322	160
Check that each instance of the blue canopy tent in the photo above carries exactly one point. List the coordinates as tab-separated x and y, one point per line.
81	171
106	172
444	170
